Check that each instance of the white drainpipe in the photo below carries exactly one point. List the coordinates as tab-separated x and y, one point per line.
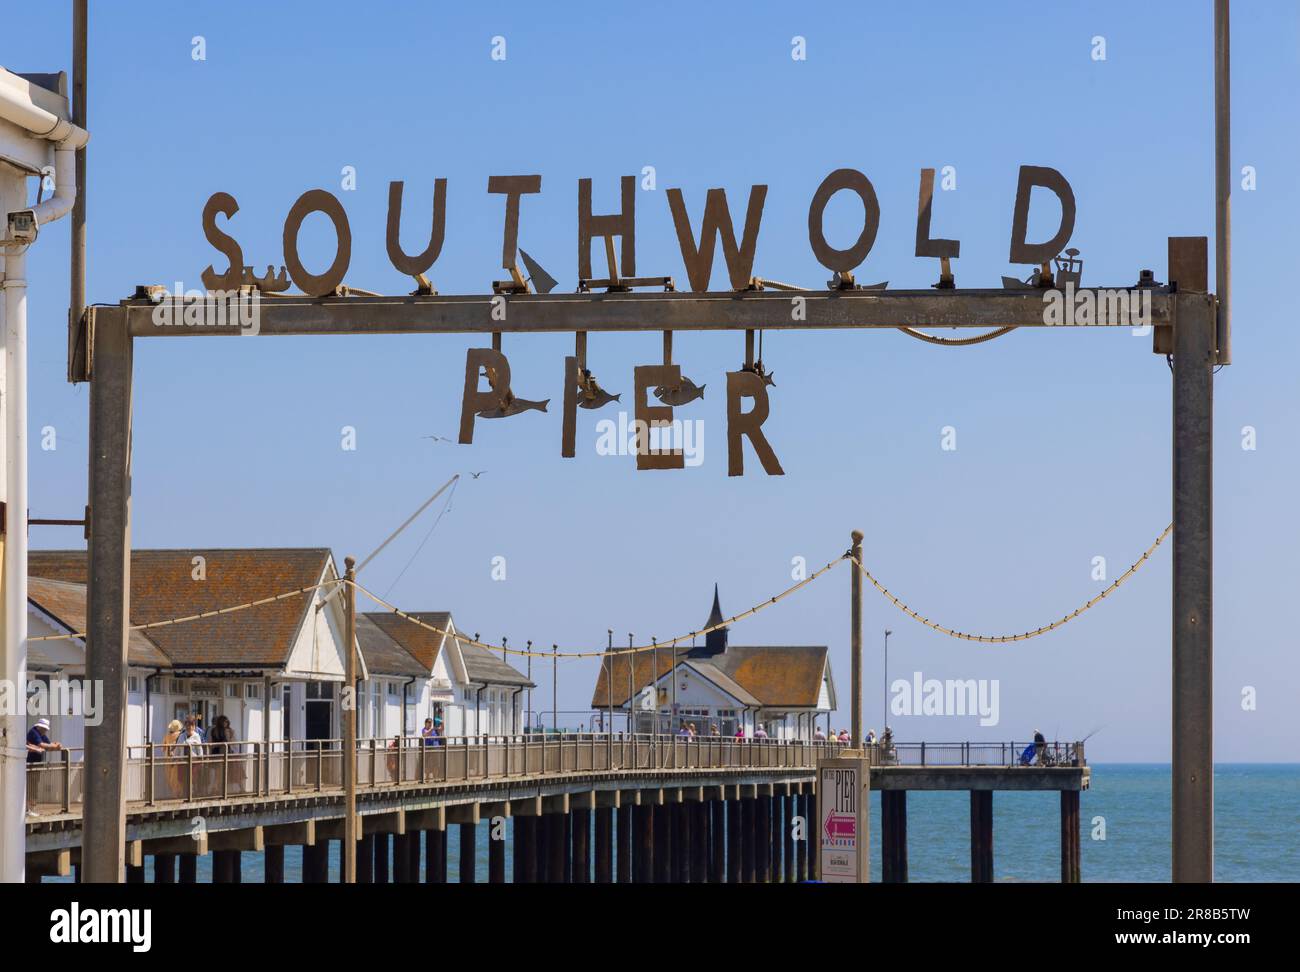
13	332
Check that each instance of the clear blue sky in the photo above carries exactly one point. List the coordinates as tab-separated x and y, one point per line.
1063	437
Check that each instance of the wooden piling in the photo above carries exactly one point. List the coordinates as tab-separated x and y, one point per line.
134	874
645	844
273	864
981	836
556	848
526	835
604	845
699	841
663	856
381	858
762	840
718	842
735	853
893	836
187	866
401	860
1071	863
435	855
787	839
681	838
413	856
581	846
365	863
164	869
468	833
749	839
496	856
624	838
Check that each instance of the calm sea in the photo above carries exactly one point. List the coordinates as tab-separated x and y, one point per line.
1125	831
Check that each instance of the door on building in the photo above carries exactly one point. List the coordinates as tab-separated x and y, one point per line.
320	711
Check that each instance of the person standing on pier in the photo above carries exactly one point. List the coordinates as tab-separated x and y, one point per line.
1040	746
172	751
38	743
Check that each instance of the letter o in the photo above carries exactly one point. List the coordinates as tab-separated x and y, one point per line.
843	260
317	201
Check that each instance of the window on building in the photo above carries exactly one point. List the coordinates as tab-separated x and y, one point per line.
392	691
253	690
232	690
133	683
175	686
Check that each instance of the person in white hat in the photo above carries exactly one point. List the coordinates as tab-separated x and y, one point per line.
38	743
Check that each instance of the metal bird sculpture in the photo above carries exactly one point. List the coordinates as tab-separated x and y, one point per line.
679	394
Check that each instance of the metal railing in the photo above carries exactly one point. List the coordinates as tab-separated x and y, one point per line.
163	774
168	774
1005	754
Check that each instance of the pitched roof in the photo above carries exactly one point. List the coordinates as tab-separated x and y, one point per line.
769	675
421	643
162	587
483	666
65	602
383	655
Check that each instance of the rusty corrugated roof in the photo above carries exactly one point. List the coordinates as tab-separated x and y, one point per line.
162	586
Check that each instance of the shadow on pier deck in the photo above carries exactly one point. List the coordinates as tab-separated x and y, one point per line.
705	810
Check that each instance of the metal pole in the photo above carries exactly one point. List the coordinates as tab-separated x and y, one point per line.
350	727
609	689
77	292
1222	182
530	680
884	714
108	604
1193	594
631	689
555	687
855	639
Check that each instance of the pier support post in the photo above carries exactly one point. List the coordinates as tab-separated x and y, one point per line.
645	844
188	867
134	874
315	862
778	842
364	859
763	839
681	844
496	856
735	855
1071	865
273	864
468	833
811	866
568	847
401	860
604	845
581	846
623	824
164	869
749	839
526	838
893	836
381	858
663	856
435	855
981	836
557	851
718	842
787	838
699	841
413	856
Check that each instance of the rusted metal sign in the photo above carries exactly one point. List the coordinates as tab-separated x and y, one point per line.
487	389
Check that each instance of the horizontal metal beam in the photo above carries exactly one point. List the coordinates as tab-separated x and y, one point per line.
543	313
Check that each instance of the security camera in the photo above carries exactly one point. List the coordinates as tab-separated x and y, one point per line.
22	227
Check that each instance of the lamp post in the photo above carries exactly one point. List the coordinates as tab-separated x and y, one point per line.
885	712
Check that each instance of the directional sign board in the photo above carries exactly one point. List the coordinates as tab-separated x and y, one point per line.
843	786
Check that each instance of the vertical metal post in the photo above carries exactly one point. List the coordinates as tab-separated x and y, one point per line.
855	638
1222	182
108	608
350	725
555	687
77	290
1193	593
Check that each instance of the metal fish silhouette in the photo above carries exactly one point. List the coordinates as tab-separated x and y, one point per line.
598	399
686	391
543	282
513	406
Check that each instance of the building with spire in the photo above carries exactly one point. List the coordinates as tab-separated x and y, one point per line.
784	689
